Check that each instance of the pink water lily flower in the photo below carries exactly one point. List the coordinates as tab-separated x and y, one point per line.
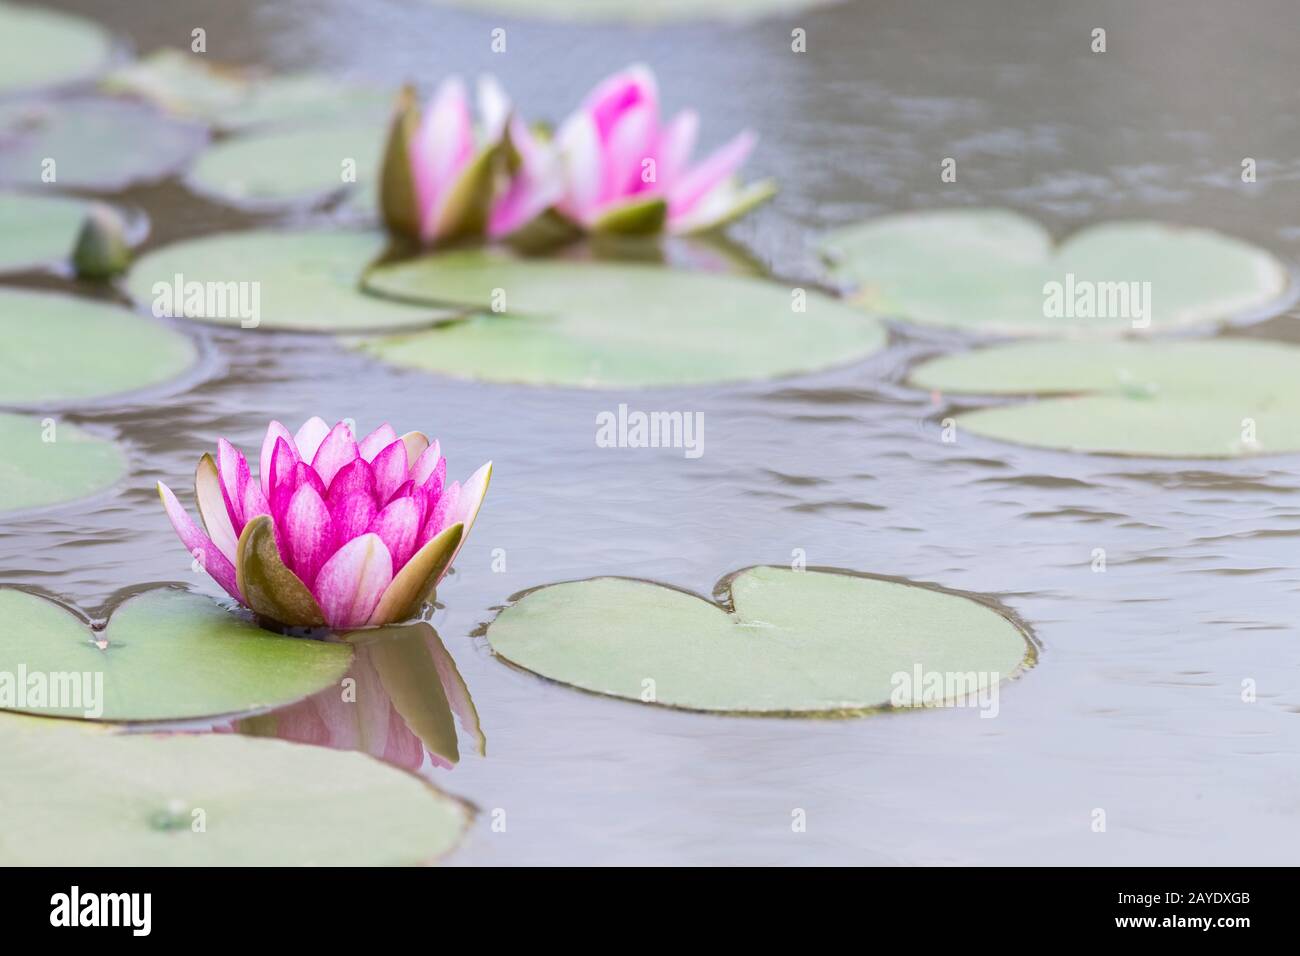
333	532
444	178
627	171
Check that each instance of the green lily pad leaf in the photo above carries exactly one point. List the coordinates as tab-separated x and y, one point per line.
45	48
991	270
645	11
37	230
1205	399
230	98
100	144
77	797
48	462
58	348
307	281
165	655
798	643
302	166
602	325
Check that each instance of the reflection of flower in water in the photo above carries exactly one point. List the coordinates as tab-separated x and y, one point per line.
402	697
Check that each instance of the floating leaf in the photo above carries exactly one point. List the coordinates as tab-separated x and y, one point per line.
58	348
291	167
794	642
307	281
1211	399
644	11
165	655
47	462
101	144
230	98
991	270
45	48
606	325
37	230
77	797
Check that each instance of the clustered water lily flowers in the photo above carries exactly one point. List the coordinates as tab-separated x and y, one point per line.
333	532
614	166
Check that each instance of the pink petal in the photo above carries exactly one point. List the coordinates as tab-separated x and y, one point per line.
426	463
630	144
283	459
232	467
284	491
583	162
338	448
309	437
442	146
199	544
698	182
390	470
433	485
274	433
351	582
308	533
255	502
616	94
376	441
676	143
355	476
437	519
352	515
398	525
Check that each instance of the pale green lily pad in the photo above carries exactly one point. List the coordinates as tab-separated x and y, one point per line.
798	643
45	48
604	325
301	166
37	230
59	348
1221	398
308	281
643	11
47	462
166	655
102	144
230	98
75	796
988	270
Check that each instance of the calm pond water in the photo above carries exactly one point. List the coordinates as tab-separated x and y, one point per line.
1136	704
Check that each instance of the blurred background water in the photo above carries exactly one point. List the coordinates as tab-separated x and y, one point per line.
1136	704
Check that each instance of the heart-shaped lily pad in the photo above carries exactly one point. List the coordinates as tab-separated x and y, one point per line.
307	281
46	462
991	270
290	167
1204	399
101	144
603	325
58	348
230	98
79	796
44	47
792	642
165	655
37	230
644	11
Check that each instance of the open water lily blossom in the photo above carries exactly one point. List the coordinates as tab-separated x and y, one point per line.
626	170
333	531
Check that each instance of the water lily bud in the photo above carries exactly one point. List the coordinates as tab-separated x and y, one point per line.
398	205
101	251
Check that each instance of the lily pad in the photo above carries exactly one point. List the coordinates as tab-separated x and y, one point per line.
37	230
58	348
307	281
85	143
1202	399
47	462
789	642
165	655
232	98
300	166
44	47
644	11
991	270
76	797
602	325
